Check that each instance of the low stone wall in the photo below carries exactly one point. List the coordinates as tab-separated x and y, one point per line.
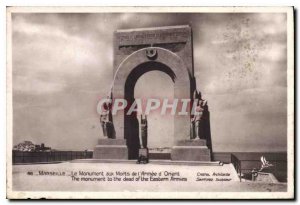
19	157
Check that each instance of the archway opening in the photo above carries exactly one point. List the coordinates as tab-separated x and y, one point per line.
150	80
157	85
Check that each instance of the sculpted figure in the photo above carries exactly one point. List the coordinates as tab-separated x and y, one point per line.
106	120
197	121
104	115
143	151
144	131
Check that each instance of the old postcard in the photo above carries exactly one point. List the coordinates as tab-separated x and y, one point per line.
149	102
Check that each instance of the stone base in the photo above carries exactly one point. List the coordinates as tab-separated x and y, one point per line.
108	141
191	150
111	149
265	177
144	152
193	142
160	162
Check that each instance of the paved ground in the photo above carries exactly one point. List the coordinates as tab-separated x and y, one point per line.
164	178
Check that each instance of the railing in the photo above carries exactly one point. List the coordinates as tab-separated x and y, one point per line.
247	167
45	157
237	165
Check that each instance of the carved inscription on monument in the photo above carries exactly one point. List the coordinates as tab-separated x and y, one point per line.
138	37
151	36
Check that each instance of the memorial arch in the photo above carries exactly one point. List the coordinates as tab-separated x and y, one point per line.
135	66
136	52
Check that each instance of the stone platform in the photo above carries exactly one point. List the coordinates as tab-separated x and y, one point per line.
196	181
191	150
160	162
265	177
184	150
111	149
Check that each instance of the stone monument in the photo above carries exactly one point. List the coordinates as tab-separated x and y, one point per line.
169	50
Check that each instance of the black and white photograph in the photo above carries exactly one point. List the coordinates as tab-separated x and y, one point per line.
150	102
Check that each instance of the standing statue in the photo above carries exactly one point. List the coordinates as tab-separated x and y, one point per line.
144	131
143	151
104	115
106	120
198	117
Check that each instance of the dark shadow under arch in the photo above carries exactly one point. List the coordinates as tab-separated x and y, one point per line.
131	124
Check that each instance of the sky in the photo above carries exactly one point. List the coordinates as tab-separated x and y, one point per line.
63	63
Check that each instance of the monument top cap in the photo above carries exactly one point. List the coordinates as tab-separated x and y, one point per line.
154	28
176	38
